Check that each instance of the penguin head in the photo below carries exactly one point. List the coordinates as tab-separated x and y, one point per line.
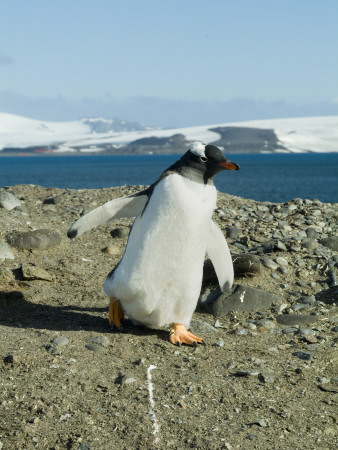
202	162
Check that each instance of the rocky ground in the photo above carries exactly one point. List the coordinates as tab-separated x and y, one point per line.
267	378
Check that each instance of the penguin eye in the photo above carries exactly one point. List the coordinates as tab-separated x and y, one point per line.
204	159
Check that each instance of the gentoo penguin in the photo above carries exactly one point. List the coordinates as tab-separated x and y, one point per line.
158	280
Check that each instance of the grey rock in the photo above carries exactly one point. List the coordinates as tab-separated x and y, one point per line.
330	242
310	244
100	340
295	319
281	261
60	341
267	262
241	298
306	356
311	233
94	347
290	330
199	327
5	251
306	331
120	233
219	343
310	299
8	200
37	239
328	296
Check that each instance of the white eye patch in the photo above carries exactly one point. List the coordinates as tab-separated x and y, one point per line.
197	148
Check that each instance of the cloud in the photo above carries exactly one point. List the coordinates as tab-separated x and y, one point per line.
4	58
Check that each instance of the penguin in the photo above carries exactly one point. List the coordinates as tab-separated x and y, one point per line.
159	278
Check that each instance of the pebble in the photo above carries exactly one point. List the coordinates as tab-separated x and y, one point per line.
281	261
200	327
219	343
330	242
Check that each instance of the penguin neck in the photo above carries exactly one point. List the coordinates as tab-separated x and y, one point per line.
191	173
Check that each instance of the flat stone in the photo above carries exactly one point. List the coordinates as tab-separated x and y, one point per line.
5	251
241	298
330	242
31	272
37	239
295	319
328	296
6	275
8	200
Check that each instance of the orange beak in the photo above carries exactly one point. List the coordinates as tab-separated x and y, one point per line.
229	165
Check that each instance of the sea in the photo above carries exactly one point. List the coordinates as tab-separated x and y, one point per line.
263	177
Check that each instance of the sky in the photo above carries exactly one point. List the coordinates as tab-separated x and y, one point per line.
169	62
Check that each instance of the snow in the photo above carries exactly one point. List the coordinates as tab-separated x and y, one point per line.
316	134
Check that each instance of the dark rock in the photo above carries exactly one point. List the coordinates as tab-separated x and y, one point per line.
330	242
311	233
241	298
233	232
295	319
246	265
49	201
121	233
306	356
8	200
37	239
329	296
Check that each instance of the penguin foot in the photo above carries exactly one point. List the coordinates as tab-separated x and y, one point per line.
180	335
116	313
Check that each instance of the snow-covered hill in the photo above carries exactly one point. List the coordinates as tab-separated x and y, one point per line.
314	134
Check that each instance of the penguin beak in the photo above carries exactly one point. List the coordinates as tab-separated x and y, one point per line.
229	165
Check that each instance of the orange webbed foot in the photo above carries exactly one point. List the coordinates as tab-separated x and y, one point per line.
116	313
180	335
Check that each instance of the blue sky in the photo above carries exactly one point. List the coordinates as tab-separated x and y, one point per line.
144	58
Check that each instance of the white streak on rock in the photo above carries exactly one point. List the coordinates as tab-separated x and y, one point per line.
152	404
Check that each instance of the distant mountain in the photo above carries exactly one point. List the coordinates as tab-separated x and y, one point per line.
98	125
116	136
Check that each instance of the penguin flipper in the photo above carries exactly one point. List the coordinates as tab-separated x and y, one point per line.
219	253
129	206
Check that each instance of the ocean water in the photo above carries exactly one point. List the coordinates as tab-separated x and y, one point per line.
264	177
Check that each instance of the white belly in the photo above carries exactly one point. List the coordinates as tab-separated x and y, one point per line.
159	278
